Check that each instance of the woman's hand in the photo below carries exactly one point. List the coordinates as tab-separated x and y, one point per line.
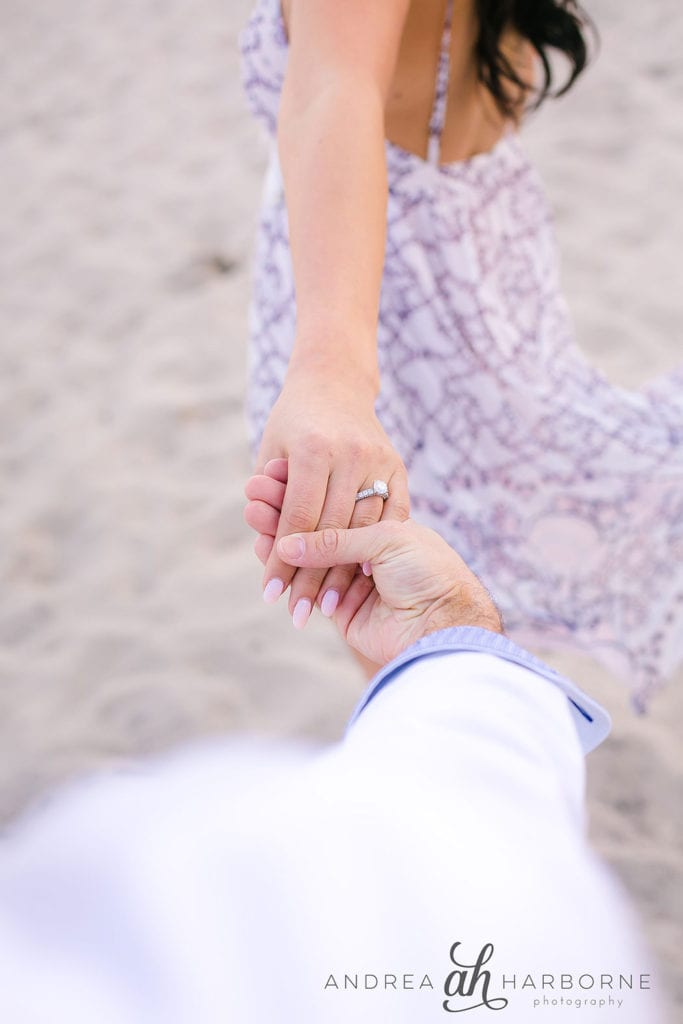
324	425
411	582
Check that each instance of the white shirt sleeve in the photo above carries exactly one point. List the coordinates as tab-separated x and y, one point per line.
591	720
250	883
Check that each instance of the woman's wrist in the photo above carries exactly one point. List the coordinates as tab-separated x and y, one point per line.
336	363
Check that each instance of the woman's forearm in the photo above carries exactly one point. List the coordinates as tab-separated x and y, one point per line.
334	168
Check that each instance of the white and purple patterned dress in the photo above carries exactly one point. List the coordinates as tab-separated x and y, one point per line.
562	491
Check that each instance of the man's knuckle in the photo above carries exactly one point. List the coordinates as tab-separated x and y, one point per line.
328	540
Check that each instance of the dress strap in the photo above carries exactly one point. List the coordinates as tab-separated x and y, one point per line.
438	115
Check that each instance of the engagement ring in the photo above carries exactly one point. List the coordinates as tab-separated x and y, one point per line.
379	489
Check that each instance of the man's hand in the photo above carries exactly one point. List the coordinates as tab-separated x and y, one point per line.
410	582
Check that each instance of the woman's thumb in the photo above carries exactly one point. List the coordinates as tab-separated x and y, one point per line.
328	547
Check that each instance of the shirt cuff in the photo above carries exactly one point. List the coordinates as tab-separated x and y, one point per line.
590	718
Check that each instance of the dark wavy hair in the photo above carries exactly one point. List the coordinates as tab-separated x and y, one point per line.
547	24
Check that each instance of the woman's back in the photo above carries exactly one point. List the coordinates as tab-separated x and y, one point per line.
473	122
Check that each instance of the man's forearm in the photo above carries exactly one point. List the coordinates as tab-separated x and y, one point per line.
334	170
449	716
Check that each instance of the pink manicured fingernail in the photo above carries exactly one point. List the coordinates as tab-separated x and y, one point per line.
329	603
367	569
301	613
273	590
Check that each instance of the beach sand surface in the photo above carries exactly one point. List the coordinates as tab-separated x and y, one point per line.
130	611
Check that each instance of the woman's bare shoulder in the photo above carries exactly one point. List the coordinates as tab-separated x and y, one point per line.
362	37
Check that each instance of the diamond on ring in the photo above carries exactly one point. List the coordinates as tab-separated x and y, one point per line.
379	489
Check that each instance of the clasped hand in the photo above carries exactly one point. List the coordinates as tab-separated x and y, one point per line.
407	581
326	430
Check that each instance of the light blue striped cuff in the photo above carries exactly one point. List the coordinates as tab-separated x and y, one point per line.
590	718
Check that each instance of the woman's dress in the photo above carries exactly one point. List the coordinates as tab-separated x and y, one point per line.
562	491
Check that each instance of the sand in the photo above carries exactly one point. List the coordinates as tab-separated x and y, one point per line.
130	612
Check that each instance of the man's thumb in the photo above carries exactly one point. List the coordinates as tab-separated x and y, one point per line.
328	547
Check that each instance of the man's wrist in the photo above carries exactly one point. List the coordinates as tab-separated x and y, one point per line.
471	606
